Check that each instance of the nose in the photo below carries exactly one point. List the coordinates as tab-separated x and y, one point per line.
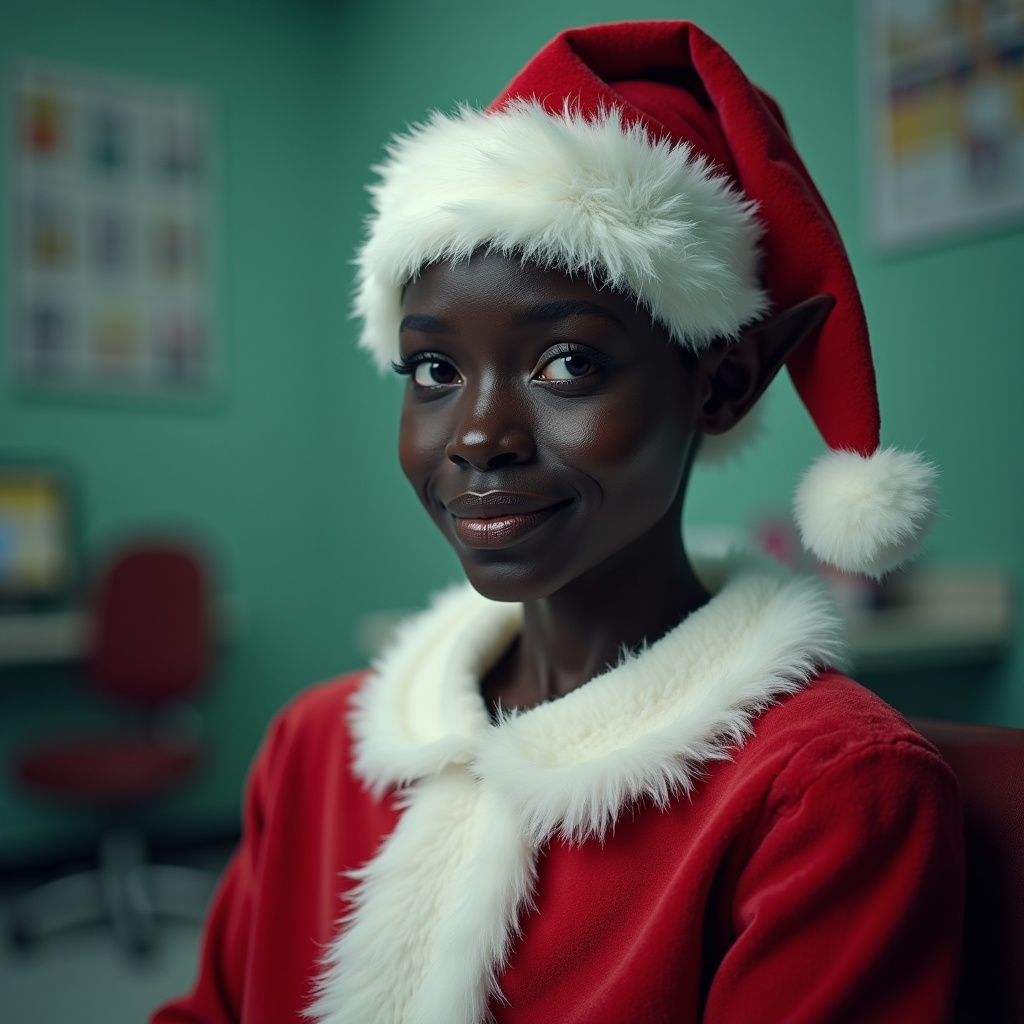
492	429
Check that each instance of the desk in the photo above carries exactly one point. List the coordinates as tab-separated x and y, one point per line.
42	637
61	636
937	620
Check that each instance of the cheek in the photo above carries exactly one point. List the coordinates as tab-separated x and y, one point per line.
635	436
421	442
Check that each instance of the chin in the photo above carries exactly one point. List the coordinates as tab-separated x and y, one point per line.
509	582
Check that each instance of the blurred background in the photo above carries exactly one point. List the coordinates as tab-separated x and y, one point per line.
269	446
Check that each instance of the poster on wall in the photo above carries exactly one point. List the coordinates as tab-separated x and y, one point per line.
945	116
109	268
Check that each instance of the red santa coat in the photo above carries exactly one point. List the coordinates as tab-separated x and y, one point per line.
716	830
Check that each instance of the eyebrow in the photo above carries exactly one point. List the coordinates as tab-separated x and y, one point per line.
426	323
547	312
562	309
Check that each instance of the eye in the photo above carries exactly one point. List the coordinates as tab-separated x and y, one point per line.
569	363
427	370
432	373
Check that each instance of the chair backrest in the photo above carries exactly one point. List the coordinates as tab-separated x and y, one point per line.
151	639
989	764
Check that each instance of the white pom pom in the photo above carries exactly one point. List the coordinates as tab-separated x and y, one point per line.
866	515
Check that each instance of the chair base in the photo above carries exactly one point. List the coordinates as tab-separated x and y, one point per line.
125	890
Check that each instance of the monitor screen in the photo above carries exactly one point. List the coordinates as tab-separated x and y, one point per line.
36	550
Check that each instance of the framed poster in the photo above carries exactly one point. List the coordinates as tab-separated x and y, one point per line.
944	116
109	268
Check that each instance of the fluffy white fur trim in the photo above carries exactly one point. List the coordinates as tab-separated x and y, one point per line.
435	912
422	711
866	515
590	197
647	729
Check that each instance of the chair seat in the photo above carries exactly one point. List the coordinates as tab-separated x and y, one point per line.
108	770
988	762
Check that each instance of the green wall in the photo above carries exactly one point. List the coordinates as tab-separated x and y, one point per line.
247	475
290	475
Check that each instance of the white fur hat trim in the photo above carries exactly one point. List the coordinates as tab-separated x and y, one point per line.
593	197
866	514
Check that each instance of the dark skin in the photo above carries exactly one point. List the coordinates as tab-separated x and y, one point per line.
549	429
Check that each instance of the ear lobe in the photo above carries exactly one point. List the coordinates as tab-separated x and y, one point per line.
736	374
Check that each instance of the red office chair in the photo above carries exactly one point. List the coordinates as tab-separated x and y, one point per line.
989	764
150	652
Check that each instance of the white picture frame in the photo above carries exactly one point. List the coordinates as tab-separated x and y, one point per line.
944	117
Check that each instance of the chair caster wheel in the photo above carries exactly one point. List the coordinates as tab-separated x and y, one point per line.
141	949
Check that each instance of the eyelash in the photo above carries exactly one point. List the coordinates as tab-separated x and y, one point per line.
571	348
405	366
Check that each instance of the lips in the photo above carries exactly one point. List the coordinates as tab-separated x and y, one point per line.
497	519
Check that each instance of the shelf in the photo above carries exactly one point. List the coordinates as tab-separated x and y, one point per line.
934	619
62	636
37	637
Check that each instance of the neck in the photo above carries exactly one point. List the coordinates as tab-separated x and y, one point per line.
581	630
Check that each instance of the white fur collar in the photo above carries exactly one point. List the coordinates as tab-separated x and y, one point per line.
443	896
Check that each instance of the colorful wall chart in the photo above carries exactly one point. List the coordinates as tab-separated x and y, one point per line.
110	265
945	116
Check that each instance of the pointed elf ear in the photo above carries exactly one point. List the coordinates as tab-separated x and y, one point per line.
735	374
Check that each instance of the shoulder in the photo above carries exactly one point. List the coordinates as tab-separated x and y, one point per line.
847	868
313	727
836	729
321	700
834	715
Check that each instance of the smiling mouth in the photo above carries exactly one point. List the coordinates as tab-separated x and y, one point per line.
499	519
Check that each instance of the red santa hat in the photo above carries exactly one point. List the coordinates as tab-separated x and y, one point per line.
641	155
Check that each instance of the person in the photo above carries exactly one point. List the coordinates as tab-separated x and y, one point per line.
604	782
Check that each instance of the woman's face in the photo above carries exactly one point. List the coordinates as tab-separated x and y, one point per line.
546	424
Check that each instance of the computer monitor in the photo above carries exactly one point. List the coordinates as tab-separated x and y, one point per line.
37	557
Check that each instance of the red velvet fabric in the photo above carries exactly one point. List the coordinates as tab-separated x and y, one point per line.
816	877
723	114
